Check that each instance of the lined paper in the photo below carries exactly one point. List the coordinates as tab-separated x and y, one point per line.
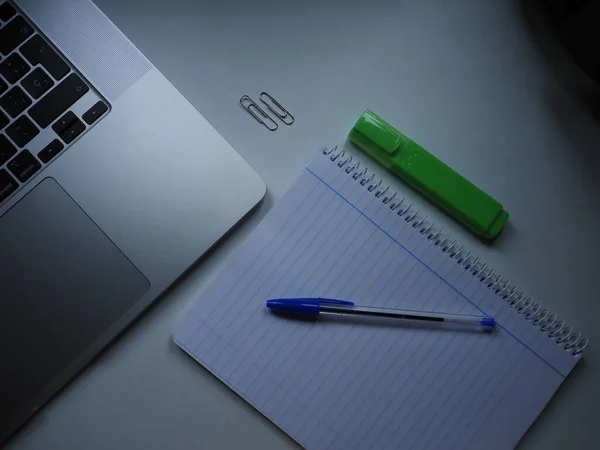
339	385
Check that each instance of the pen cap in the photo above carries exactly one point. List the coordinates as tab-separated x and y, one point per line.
295	306
309	306
431	177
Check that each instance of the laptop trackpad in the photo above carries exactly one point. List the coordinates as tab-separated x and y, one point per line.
62	283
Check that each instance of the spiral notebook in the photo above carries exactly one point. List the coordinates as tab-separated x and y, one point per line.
334	385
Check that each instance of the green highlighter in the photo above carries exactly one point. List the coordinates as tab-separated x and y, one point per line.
428	175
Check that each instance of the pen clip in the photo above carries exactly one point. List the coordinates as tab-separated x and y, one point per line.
334	301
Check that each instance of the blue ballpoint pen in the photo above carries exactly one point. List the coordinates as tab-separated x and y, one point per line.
318	306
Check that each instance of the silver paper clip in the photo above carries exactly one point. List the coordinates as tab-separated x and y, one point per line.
258	113
276	108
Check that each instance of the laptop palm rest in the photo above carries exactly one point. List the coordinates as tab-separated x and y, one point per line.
62	284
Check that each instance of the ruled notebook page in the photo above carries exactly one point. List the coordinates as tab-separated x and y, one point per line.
339	385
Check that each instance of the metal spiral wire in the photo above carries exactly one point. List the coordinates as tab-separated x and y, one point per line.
526	306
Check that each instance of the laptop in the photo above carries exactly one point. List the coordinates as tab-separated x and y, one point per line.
111	186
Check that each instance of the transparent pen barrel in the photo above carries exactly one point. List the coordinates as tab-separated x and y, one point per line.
423	317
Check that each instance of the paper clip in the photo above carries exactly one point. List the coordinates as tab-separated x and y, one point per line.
273	105
256	111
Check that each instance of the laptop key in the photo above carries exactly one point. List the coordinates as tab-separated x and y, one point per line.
58	100
37	83
64	122
13	34
15	101
14	68
50	151
37	51
6	12
24	166
3	120
7	150
74	130
22	131
8	185
3	86
95	112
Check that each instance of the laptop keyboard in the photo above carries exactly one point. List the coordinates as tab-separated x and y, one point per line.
42	102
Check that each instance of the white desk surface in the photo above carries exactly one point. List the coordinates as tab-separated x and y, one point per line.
473	81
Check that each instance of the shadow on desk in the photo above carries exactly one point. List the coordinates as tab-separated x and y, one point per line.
561	35
571	95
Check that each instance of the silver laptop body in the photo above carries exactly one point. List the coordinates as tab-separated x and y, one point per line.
111	186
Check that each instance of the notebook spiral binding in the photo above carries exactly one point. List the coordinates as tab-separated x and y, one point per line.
532	310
